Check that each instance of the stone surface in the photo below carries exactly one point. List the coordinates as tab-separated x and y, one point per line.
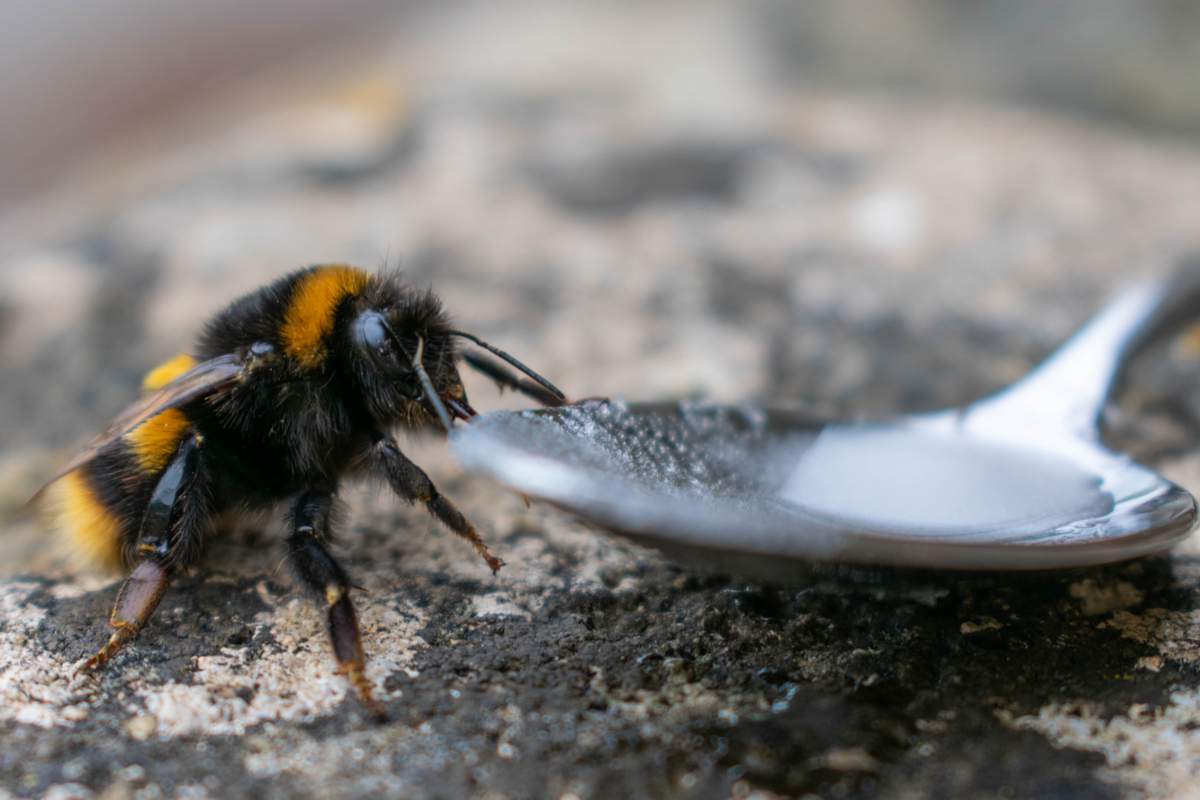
658	219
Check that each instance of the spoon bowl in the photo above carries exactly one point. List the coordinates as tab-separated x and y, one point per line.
1017	480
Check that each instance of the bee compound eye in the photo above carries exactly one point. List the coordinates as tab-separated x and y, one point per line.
371	334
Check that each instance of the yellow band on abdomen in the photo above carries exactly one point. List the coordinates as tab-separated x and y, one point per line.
91	530
167	371
155	441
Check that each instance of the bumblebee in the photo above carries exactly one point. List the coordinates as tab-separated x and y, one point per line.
289	390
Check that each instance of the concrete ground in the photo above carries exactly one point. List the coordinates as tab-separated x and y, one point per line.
638	206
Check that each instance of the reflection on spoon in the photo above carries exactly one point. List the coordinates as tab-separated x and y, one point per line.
923	482
1018	480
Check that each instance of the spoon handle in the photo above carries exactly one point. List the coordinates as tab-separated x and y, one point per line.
1067	392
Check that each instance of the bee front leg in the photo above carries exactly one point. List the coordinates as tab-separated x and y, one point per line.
412	484
316	568
176	497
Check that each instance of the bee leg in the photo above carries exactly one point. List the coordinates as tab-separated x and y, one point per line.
413	485
316	568
159	551
136	601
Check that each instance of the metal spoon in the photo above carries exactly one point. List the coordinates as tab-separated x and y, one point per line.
1017	480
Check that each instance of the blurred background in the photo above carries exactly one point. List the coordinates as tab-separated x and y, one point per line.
861	206
77	78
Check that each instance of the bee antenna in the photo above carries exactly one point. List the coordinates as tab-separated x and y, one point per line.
426	385
496	351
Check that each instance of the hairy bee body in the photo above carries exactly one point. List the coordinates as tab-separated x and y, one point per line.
287	391
291	424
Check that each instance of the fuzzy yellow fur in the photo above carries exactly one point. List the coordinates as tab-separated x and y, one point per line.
310	316
155	441
167	371
90	530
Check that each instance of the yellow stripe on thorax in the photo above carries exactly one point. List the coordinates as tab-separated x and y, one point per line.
310	315
155	441
93	532
167	371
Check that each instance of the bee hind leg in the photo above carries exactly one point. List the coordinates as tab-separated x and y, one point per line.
316	568
176	497
136	601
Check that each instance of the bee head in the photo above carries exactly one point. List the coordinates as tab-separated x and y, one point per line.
404	358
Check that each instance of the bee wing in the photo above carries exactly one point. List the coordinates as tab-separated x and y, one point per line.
203	380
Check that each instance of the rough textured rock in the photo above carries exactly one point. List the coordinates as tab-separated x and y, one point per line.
659	219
